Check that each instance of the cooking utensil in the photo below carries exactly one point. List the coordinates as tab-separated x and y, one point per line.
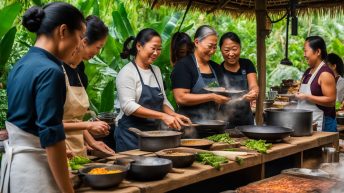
269	133
146	168
196	143
330	155
205	128
157	140
225	92
108	117
183	160
103	181
296	119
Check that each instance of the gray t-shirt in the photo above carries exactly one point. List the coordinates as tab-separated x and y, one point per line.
129	87
340	89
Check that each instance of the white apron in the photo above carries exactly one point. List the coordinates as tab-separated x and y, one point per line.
75	108
24	165
318	114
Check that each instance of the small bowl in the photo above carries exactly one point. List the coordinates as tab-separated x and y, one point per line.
196	143
185	159
103	181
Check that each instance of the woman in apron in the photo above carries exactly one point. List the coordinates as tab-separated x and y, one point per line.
141	93
194	72
239	74
318	86
35	160
77	103
336	64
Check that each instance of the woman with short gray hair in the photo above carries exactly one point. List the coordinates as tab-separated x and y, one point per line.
193	73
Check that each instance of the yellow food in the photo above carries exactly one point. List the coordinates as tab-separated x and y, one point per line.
99	171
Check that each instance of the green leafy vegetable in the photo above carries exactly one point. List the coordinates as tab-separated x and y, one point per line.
213	84
225	138
260	145
211	159
77	162
338	104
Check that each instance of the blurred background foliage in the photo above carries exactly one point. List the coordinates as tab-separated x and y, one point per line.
126	18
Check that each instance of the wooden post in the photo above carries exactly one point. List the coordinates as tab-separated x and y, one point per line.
261	57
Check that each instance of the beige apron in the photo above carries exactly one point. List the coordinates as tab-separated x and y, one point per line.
75	107
24	166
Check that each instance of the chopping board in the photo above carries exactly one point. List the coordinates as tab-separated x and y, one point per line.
286	183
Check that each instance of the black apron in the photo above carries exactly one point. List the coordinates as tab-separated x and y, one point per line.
237	112
206	110
151	98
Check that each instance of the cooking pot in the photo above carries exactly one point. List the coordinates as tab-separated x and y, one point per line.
157	140
146	168
296	119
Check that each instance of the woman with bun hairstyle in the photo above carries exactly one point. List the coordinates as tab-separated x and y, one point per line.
193	73
141	92
35	160
76	106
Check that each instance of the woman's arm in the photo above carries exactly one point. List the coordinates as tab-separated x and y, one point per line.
97	145
253	87
57	160
328	88
184	97
95	127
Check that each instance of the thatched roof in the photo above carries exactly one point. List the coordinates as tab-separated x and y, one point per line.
247	7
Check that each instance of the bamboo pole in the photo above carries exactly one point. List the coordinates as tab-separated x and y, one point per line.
261	11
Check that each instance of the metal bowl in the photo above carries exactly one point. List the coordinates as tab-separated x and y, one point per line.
103	181
178	161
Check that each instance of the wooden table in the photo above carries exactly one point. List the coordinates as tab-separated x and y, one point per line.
303	151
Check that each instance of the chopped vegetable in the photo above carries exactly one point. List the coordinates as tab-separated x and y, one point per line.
213	84
211	159
231	155
77	162
260	145
224	138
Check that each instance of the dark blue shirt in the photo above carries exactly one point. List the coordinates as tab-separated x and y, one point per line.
36	91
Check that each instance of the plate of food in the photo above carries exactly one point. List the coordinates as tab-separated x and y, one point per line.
223	91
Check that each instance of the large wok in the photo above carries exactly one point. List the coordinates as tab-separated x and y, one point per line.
205	128
269	133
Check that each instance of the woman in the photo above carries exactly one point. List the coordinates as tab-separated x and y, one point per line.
239	74
336	64
141	93
181	46
194	72
35	159
317	92
77	102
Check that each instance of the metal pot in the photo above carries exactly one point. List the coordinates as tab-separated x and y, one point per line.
205	128
296	119
157	140
146	168
269	133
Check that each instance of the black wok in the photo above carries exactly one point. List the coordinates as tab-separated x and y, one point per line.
269	133
205	128
146	168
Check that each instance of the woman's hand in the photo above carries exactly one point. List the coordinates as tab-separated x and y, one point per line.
183	120
219	99
101	146
98	128
301	96
250	96
171	121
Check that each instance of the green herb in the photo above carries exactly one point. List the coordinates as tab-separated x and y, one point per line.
225	138
77	162
260	145
211	159
338	105
239	160
213	84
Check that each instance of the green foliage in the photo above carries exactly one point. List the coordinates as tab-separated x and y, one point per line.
3	108
6	48
8	15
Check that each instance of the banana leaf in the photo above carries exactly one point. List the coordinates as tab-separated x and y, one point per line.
85	6
6	45
7	17
121	23
96	8
108	98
